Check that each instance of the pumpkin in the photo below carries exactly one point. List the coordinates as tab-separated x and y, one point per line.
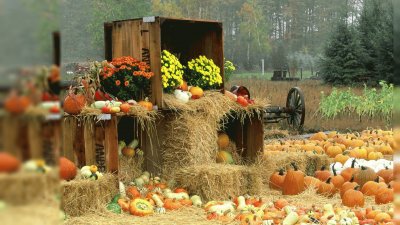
374	155
342	158
333	151
348	172
293	183
372	214
281	203
225	157
68	169
337	180
184	86
326	188
140	207
353	198
8	163
386	174
180	190
223	141
146	104
382	217
322	174
186	202
133	192
347	185
196	92
16	104
313	182
320	136
125	107
370	188
364	174
74	103
124	204
276	180
172	204
384	195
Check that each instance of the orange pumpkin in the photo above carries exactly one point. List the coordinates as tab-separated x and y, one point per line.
322	174
184	86
124	204
347	185
293	183
348	172
280	203
326	188
146	104
8	163
382	217
186	202
353	198
73	104
313	182
386	174
125	107
276	180
140	207
172	204
342	158
132	192
333	151
384	195
16	104
223	141
337	180
180	190
68	169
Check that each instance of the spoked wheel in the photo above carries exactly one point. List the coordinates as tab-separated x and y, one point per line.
296	108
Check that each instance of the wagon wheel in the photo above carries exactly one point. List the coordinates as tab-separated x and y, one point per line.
296	108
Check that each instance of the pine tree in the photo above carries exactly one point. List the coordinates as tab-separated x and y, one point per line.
340	64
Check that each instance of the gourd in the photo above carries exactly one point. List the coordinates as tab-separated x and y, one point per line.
90	172
139	182
291	219
122	190
221	208
177	196
182	96
346	221
8	163
160	210
140	207
160	205
196	200
241	203
328	210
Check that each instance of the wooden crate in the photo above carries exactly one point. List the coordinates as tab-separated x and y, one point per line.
29	138
145	38
247	136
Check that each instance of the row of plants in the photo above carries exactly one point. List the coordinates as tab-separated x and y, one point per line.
372	103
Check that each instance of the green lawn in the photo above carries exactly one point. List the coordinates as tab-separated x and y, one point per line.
267	75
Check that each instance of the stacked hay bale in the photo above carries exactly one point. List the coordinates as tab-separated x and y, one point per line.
81	196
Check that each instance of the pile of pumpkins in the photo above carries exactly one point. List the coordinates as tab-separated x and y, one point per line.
368	145
184	93
131	149
352	184
74	104
224	155
10	164
68	171
255	211
148	195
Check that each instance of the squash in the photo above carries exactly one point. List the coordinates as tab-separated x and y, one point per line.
140	207
291	219
382	217
280	203
293	183
353	198
348	172
347	185
177	196
67	169
342	158
146	104
313	182
276	180
364	174
133	192
225	157
322	174
327	188
223	141
196	200
387	174
371	187
337	180
8	163
333	151
384	195
196	92
74	103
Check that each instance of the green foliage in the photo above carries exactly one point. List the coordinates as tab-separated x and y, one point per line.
229	68
372	103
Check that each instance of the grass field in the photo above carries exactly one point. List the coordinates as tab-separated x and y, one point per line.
267	75
277	92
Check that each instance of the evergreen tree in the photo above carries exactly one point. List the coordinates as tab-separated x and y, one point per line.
340	64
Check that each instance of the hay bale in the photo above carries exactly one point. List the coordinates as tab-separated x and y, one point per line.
32	213
219	181
307	162
129	168
190	136
81	196
25	187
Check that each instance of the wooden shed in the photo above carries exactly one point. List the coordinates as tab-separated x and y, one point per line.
145	38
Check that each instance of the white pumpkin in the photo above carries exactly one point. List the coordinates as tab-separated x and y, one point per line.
346	221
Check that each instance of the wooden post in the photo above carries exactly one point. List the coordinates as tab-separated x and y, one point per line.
255	137
90	143
57	48
69	130
111	145
35	138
